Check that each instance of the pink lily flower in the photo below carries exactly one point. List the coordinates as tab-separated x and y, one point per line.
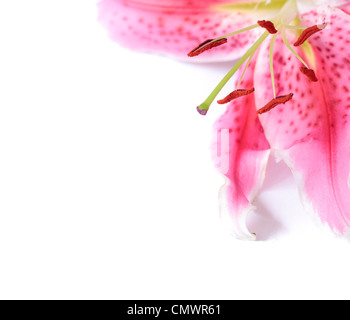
292	96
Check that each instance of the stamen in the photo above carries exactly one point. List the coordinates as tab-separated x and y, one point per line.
240	31
212	43
245	70
236	94
287	15
207	45
204	107
272	45
275	102
268	25
294	27
284	38
307	33
309	73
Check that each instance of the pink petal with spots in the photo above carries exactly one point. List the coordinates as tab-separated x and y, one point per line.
243	152
312	132
176	27
346	8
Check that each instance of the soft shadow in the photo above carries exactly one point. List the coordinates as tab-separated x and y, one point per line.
222	67
263	223
345	237
277	174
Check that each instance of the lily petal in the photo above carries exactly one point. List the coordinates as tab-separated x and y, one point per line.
242	160
346	8
312	132
175	27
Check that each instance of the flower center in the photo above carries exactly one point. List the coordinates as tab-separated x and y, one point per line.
285	19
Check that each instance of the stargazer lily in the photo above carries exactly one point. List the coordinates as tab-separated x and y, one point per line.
292	92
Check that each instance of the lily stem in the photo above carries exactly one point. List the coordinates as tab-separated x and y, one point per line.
206	104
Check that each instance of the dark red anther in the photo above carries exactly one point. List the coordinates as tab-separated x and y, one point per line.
275	102
236	94
307	33
309	73
268	25
207	45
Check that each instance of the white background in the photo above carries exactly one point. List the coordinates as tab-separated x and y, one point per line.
107	189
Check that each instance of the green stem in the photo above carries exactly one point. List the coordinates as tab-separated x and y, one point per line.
234	33
239	31
291	49
245	69
206	104
294	27
272	45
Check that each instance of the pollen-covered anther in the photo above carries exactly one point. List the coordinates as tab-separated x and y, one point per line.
307	33
207	45
275	102
309	73
236	94
268	25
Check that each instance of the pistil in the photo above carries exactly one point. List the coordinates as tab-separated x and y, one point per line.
278	24
204	107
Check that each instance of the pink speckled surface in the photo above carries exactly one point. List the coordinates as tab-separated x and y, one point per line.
313	129
247	154
175	27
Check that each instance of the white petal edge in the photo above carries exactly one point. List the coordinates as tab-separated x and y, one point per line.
305	6
237	225
307	204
